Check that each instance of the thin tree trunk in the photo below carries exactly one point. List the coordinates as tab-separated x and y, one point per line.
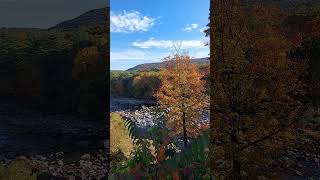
234	137
235	171
185	136
236	166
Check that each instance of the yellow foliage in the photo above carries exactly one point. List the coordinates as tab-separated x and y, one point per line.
119	136
86	60
17	170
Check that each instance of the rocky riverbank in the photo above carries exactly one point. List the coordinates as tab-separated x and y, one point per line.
118	104
61	166
301	163
29	134
57	144
148	116
88	166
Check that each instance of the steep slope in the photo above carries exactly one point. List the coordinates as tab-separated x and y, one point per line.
96	17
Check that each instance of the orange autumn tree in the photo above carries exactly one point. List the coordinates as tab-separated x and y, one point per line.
89	70
181	94
255	90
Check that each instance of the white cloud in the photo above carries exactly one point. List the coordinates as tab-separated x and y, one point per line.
191	27
133	54
128	22
166	44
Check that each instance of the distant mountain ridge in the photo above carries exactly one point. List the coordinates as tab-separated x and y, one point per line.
150	66
95	17
98	16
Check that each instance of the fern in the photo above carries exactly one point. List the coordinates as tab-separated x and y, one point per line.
133	130
193	158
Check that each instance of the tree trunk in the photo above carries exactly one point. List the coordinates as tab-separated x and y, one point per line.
236	166
185	136
234	137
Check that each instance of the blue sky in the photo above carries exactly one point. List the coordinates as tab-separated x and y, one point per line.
145	31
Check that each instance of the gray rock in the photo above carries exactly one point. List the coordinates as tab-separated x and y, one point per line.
85	157
298	173
51	168
59	153
299	165
289	162
60	163
81	162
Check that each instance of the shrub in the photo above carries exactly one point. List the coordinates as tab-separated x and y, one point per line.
17	170
120	139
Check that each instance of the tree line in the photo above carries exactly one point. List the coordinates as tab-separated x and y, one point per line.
55	71
144	84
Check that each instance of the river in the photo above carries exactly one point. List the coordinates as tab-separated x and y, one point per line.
26	132
31	132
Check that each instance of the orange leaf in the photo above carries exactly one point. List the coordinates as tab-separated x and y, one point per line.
175	175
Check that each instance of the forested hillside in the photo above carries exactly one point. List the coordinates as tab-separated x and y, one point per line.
94	17
142	84
56	71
